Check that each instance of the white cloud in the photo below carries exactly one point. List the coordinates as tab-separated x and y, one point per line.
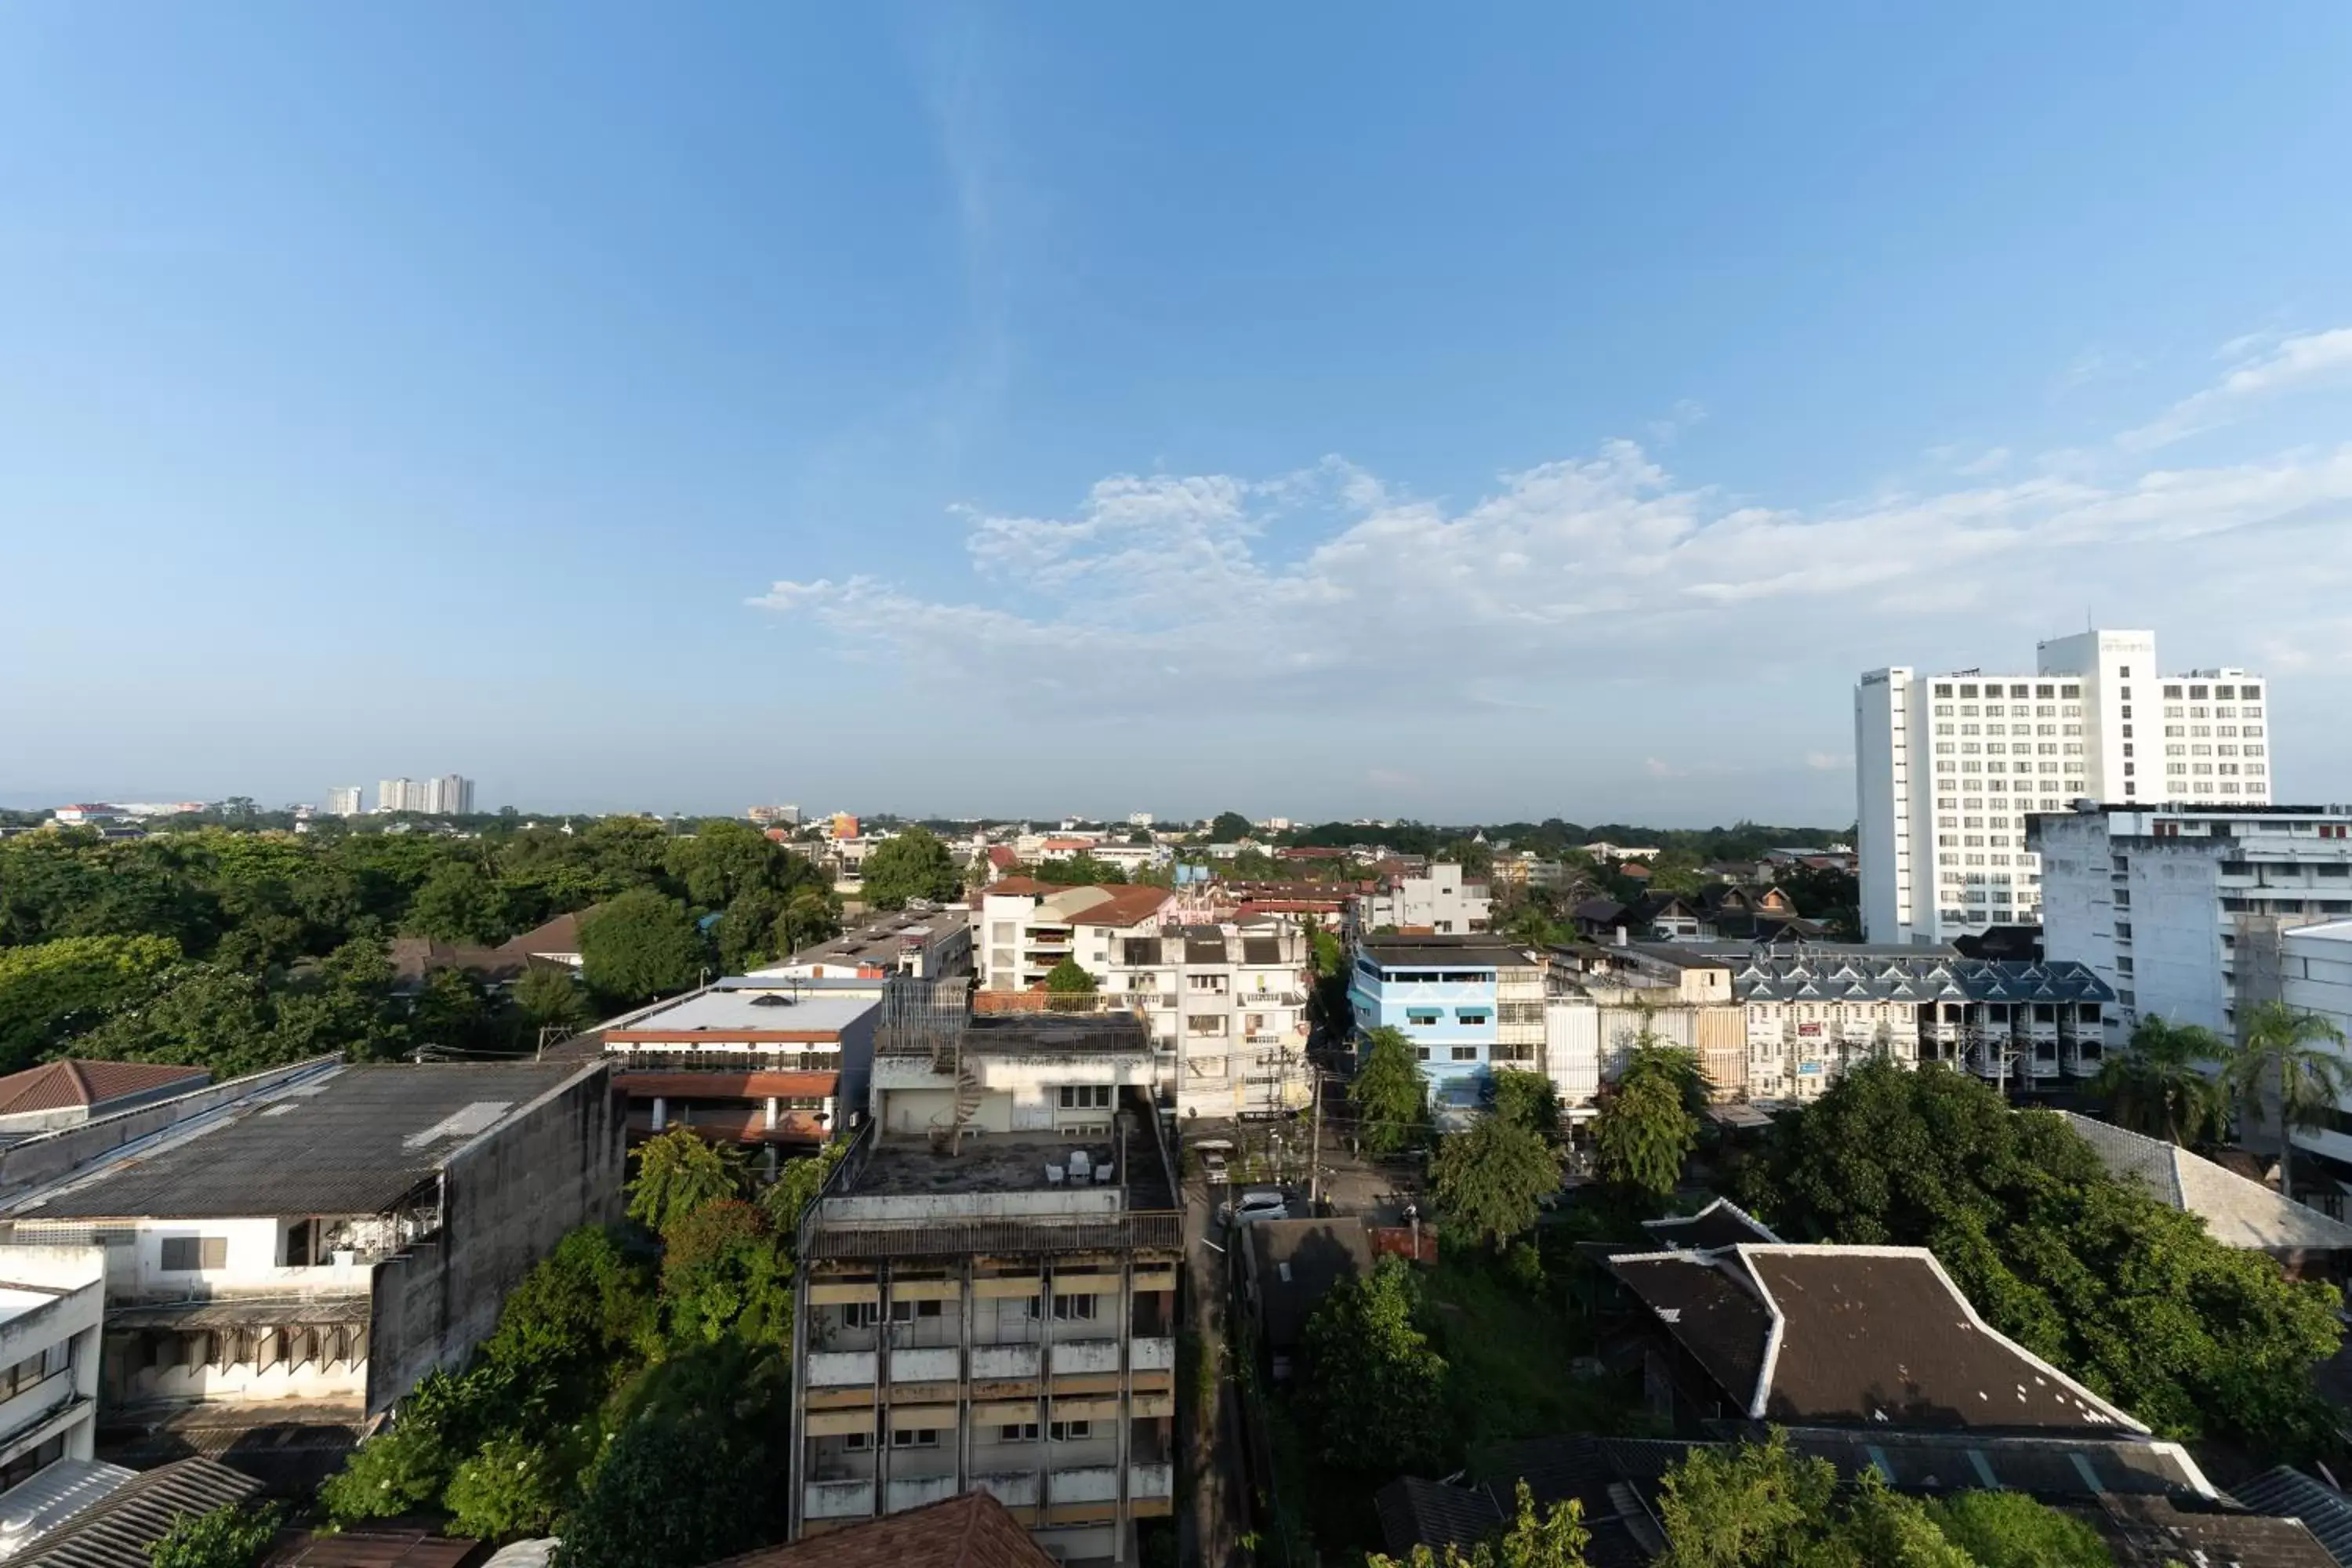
1167	593
2285	364
1829	762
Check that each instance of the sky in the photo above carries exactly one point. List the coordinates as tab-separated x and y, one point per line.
1459	413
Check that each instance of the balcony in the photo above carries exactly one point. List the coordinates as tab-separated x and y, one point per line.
1016	1489
838	1499
921	1490
1086	1356
841	1369
1092	1483
925	1365
1004	1363
1150	1480
1152	1354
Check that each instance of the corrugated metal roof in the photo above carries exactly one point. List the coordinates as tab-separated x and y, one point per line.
2288	1493
352	1143
117	1530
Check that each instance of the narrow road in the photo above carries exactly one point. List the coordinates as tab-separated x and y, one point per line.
1220	1511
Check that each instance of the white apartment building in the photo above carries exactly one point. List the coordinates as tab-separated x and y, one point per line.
399	794
52	1301
2180	908
1438	901
2316	976
344	800
1950	767
451	795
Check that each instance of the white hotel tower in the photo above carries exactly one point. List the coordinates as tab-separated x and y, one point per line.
1949	766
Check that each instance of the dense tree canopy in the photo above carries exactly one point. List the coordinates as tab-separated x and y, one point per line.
1390	1096
1375	1388
641	945
2166	1082
1492	1178
2134	1298
908	865
1648	1123
1546	1538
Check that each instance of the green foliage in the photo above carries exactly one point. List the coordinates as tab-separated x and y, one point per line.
1390	1096
641	945
587	1304
1227	827
1077	871
234	1535
408	1465
509	1489
1555	1538
1675	872
551	997
1330	958
1491	1177
679	1173
2159	1084
459	902
1375	1398
1526	1099
908	865
725	1272
2009	1530
1643	1134
52	990
786	1198
1069	978
2134	1298
809	918
2292	1059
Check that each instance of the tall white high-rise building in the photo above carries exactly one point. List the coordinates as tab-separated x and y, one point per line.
343	800
399	794
1949	766
451	795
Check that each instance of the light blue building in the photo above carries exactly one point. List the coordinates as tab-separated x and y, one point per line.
1446	995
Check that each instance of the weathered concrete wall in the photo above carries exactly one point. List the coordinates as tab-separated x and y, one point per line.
507	1197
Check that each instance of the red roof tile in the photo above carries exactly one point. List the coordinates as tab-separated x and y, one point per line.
969	1531
62	1085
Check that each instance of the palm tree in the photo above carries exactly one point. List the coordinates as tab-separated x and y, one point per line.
2299	1054
2162	1084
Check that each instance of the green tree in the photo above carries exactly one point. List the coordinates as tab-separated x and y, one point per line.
640	945
907	866
53	990
797	1186
408	1465
1492	1178
509	1489
1375	1398
2290	1065
679	1173
725	1271
1555	1538
1643	1134
1069	984
551	997
583	1308
1675	872
234	1535
2160	1083
1526	1099
1227	827
1390	1096
809	918
2009	1530
458	902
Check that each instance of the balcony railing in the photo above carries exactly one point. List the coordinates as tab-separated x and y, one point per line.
1045	1234
838	1499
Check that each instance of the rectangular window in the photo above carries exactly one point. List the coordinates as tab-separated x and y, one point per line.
1086	1096
1423	1015
187	1254
861	1314
1021	1432
1070	1431
1074	1309
1465	1053
916	1438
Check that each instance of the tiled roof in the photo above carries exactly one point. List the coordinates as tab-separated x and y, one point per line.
2239	1212
969	1531
1123	907
1824	974
117	1530
61	1085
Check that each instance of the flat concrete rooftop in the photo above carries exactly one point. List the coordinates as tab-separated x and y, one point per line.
1004	1164
737	1010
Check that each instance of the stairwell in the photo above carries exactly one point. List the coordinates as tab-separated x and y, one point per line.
947	1134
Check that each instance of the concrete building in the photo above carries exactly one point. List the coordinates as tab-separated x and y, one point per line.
344	800
2180	908
1446	994
1950	767
2316	976
451	795
926	941
775	815
1028	926
775	1064
399	794
51	1302
1225	1003
1601	1001
318	1237
1437	902
988	1292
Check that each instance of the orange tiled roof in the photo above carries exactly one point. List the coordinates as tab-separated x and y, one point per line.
61	1085
969	1531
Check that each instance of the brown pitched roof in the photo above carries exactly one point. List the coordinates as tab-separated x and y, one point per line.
1125	906
969	1531
57	1085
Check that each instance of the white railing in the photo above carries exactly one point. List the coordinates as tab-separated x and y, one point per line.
1085	1355
1152	1354
916	1491
835	1369
1150	1480
1005	1363
838	1499
925	1365
1094	1483
1015	1488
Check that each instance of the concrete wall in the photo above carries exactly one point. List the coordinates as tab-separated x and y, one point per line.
71	1317
507	1197
46	1158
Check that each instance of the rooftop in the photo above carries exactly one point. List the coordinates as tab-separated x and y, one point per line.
1828	1335
1721	1223
116	1531
2239	1212
1441	951
1297	1262
740	1008
354	1141
969	1531
880	941
63	1085
1829	974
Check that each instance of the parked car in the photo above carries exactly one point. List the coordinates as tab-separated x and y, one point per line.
1214	1153
1258	1203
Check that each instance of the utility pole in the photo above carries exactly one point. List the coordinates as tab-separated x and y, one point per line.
1315	1148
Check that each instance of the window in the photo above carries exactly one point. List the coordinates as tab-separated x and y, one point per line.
1465	1053
1019	1432
857	1442
908	1312
861	1314
1423	1014
187	1254
1474	1015
1085	1097
916	1438
1069	1431
1074	1309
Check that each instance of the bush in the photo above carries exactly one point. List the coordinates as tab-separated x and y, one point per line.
233	1535
512	1488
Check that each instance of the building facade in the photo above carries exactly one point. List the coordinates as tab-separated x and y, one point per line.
1950	767
52	1300
451	795
988	1292
1446	995
1438	901
2181	908
344	800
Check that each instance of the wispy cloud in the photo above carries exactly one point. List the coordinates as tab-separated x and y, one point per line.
2266	368
1157	588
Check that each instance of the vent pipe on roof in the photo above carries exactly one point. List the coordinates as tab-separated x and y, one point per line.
1621	936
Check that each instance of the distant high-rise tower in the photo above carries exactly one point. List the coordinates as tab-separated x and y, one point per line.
1949	766
399	794
343	800
451	795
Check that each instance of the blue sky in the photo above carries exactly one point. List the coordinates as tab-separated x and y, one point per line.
1538	411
